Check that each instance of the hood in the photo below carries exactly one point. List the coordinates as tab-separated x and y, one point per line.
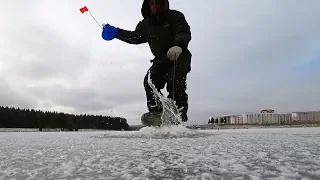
145	9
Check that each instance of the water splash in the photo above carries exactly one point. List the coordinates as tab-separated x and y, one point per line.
155	132
170	113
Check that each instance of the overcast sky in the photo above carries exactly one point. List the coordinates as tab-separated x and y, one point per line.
248	55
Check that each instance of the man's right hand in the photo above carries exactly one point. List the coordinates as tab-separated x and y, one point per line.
109	32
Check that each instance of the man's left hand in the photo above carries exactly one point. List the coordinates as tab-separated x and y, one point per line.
174	53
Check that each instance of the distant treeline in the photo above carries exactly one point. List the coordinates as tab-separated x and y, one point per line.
11	117
217	120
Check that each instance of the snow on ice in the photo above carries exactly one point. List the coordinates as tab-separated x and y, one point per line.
162	153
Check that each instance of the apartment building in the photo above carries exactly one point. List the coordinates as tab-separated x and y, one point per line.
306	116
236	119
260	118
269	117
285	118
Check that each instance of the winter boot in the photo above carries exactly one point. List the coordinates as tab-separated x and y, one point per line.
151	119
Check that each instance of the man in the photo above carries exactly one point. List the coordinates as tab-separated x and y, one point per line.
168	35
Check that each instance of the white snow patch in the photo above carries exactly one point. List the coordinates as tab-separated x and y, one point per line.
262	155
206	176
178	130
306	153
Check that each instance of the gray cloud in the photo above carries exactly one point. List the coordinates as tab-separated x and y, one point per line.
82	99
11	98
45	55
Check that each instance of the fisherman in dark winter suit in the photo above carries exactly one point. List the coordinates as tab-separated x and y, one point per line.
168	35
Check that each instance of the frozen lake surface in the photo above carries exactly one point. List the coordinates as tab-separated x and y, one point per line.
151	153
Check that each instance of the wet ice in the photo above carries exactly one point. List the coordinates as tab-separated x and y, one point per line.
228	154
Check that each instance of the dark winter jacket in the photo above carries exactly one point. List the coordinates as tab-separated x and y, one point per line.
161	32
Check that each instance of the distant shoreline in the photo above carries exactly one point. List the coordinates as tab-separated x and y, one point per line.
202	127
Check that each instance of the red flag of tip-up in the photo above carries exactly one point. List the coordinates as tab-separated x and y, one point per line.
85	9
